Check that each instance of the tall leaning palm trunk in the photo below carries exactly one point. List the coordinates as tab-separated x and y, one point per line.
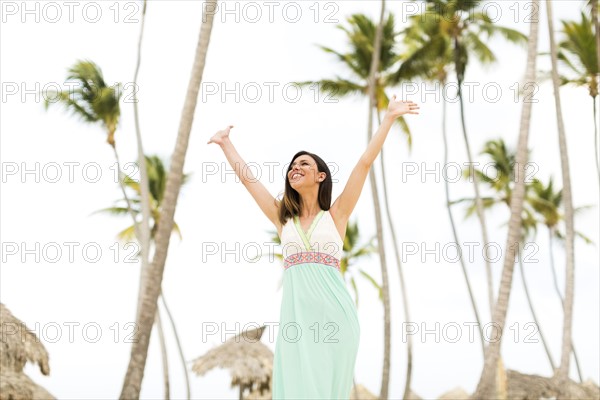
431	59
144	230
409	346
98	103
530	304
151	291
562	300
486	388
453	225
562	374
385	379
144	190
460	76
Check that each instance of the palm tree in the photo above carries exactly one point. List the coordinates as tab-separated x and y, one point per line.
97	103
503	160
546	202
562	374
486	388
372	94
529	225
463	25
94	102
151	291
578	52
429	57
145	194
156	178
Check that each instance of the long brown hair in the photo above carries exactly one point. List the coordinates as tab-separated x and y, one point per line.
290	204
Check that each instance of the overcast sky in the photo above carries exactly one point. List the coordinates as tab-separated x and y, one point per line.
251	62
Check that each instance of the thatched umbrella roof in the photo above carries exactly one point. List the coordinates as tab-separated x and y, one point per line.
249	361
457	393
256	394
17	385
524	386
19	345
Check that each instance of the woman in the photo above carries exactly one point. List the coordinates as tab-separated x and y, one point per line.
319	333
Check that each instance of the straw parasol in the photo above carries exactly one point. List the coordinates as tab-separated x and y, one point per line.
17	385
457	393
17	346
249	361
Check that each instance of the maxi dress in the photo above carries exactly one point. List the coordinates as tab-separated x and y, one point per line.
319	332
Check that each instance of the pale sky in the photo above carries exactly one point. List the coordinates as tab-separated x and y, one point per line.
41	214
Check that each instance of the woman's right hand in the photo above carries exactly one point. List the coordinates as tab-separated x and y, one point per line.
220	136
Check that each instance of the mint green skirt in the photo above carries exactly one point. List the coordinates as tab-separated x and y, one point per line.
319	332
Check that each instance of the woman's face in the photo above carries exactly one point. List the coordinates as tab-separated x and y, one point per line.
304	172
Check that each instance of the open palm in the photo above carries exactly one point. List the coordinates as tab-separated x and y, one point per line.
396	108
220	136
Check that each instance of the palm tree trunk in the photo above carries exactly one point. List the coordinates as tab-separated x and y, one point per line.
163	348
453	226
554	275
179	347
137	233
478	203
139	352
530	303
562	301
385	378
121	177
562	374
137	230
144	190
486	388
409	347
384	281
145	199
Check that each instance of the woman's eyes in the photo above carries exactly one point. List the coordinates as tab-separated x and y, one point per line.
302	163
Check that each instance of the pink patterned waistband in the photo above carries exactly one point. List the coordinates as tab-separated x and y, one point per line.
311	257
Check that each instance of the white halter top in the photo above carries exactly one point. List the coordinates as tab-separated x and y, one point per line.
321	237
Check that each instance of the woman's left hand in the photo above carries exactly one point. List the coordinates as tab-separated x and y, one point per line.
397	108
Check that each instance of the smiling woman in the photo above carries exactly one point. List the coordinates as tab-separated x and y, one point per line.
319	331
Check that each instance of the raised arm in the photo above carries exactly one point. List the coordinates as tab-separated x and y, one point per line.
261	195
344	204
